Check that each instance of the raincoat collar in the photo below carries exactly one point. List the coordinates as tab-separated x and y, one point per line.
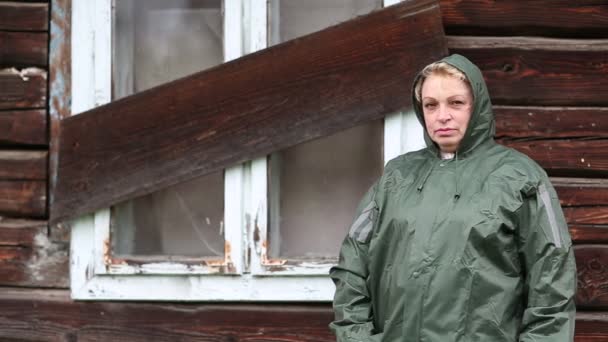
481	129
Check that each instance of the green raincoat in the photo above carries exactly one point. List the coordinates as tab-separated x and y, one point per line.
474	248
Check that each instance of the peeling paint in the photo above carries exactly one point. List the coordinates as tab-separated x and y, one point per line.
247	245
60	61
25	74
48	257
107	249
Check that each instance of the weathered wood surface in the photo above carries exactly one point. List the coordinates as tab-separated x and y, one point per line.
60	101
23	49
587	215
551	122
23	165
290	93
539	71
20	232
23	127
23	198
581	191
556	18
29	258
568	157
591	327
19	16
24	88
592	269
50	315
588	233
567	141
585	205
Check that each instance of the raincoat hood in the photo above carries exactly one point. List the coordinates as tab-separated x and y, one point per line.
481	126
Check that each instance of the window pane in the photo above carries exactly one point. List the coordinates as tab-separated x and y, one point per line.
321	183
315	187
156	42
290	19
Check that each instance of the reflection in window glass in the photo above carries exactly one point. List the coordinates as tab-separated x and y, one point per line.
316	186
157	41
290	19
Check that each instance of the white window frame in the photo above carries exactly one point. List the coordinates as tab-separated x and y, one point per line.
246	272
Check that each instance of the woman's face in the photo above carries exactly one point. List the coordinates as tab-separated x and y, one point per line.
447	104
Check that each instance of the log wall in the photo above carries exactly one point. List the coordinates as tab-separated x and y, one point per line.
29	257
546	64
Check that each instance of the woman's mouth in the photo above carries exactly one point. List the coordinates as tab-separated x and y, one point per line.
444	132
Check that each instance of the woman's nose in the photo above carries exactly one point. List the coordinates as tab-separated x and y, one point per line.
444	113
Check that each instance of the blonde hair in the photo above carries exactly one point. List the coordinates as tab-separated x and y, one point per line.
438	68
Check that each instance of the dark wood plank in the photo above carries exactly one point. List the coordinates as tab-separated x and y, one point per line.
23	127
23	198
556	18
22	89
50	315
23	165
15	16
592	269
23	49
588	233
20	232
551	122
279	97
587	215
539	71
581	191
28	258
568	157
158	322
591	326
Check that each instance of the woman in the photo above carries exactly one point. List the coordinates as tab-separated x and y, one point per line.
461	241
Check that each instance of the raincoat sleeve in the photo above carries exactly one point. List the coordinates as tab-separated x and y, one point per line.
547	256
352	302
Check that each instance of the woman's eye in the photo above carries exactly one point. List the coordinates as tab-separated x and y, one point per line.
457	103
429	105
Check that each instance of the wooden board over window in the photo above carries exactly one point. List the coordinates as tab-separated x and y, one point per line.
293	92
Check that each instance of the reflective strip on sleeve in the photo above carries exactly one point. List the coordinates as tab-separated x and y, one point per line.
363	224
544	196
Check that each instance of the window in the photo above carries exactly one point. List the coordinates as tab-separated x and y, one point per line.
158	43
303	233
257	231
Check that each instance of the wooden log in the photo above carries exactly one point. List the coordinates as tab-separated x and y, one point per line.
293	92
556	18
581	191
29	258
32	315
551	122
568	157
24	49
592	269
22	89
23	165
20	232
23	127
539	71
23	198
588	234
15	16
587	215
591	327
